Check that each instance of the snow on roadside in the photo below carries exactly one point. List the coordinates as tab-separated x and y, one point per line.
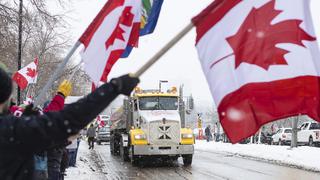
83	169
303	157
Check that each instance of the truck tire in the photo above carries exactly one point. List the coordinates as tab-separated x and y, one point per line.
175	158
112	145
187	159
135	160
310	143
124	152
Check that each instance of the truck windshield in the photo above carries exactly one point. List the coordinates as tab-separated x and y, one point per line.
315	126
158	103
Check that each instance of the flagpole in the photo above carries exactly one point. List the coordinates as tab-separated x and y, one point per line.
164	50
56	73
20	47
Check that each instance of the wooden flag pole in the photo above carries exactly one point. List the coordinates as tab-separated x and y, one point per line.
164	50
56	74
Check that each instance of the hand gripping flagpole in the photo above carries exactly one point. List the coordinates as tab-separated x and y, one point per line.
56	73
164	50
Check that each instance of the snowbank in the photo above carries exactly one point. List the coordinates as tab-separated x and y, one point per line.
84	170
303	157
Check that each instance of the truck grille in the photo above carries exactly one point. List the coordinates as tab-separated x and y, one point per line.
164	133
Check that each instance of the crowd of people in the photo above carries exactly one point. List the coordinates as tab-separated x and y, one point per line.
41	142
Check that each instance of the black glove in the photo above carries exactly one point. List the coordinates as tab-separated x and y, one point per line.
29	110
125	84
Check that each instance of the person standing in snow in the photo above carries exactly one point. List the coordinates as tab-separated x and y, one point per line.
22	137
54	154
91	134
207	132
72	148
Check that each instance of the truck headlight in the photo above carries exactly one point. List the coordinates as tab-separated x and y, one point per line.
187	136
140	137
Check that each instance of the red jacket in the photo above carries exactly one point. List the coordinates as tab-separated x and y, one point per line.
56	104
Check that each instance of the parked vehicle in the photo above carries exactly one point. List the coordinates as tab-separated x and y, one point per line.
103	134
309	134
282	136
266	138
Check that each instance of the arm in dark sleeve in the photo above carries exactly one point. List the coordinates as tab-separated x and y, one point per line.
32	133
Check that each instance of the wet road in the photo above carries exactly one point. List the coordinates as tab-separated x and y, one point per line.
205	165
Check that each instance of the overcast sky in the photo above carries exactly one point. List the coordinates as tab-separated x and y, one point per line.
180	65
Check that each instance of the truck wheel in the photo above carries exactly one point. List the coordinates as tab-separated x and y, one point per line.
187	159
134	159
112	151
124	152
310	142
175	158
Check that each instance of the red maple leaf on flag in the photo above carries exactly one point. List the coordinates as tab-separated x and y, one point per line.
256	40
31	72
127	20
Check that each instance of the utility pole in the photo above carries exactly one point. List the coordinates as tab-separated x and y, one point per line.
182	108
20	47
294	138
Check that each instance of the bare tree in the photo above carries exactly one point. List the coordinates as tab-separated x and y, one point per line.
44	36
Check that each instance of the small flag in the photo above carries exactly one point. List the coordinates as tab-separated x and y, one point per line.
27	75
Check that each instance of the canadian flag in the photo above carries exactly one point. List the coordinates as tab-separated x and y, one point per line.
27	75
261	61
116	26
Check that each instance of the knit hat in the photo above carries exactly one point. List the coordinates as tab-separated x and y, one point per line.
5	84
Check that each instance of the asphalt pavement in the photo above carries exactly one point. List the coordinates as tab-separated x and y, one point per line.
100	164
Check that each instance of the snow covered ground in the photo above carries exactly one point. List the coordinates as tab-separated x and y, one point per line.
211	161
84	170
303	157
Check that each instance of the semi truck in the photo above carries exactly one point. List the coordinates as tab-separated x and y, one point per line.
149	124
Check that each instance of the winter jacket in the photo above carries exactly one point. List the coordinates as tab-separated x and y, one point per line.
207	131
91	132
54	155
21	138
56	104
54	159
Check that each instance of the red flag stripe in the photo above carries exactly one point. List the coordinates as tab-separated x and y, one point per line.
20	80
108	7
244	111
134	36
113	58
212	15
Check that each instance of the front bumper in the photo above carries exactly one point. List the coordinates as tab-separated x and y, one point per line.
103	138
163	150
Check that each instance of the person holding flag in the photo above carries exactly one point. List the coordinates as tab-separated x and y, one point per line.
22	137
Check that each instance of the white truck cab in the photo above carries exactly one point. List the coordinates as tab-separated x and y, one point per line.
309	133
